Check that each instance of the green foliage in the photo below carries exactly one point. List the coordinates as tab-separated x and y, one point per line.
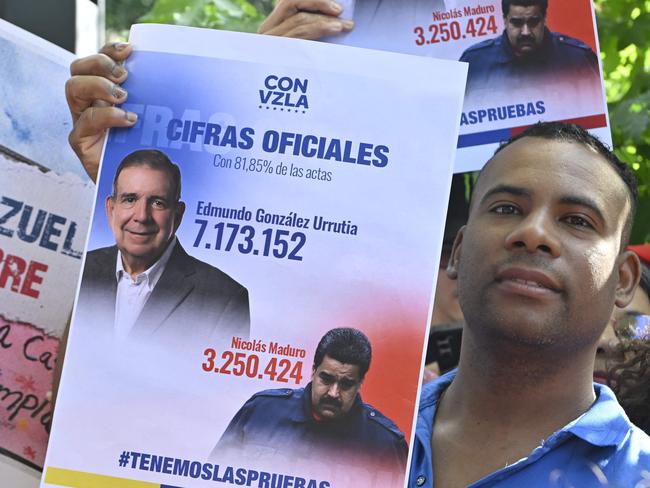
120	14
624	27
238	15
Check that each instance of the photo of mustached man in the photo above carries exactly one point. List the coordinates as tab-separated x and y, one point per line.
528	56
326	420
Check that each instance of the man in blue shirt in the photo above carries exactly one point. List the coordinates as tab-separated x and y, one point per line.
540	265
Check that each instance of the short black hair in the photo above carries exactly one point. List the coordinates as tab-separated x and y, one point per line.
505	5
568	132
347	345
153	159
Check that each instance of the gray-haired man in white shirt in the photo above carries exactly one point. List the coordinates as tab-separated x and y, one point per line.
146	286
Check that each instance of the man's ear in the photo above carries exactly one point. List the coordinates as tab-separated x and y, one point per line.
452	264
180	210
108	207
629	274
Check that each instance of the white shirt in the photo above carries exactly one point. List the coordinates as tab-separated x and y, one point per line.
133	293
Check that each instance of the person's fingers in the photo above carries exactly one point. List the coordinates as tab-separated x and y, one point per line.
95	120
91	92
88	134
99	65
101	103
306	25
118	51
288	8
83	91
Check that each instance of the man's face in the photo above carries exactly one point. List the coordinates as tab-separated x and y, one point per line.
143	215
525	29
538	262
334	387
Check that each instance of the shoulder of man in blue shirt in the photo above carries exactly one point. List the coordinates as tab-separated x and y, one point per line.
600	448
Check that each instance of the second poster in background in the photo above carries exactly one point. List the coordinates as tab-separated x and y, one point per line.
525	64
310	203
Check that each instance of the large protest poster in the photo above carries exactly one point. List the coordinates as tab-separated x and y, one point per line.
557	78
310	204
45	205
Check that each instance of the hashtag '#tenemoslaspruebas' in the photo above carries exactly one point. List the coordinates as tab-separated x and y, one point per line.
124	458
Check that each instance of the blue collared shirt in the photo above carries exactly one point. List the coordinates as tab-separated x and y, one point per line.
600	448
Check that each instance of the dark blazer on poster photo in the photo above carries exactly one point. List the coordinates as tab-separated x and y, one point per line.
193	302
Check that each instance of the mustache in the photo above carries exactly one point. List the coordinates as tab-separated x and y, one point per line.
525	40
531	262
326	400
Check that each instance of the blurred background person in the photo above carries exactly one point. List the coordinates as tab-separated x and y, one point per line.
623	355
443	347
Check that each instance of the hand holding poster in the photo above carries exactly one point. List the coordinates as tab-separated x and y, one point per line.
265	240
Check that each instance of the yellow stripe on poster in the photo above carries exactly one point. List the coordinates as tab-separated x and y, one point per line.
80	479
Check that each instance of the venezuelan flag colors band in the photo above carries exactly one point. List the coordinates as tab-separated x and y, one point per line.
81	479
499	135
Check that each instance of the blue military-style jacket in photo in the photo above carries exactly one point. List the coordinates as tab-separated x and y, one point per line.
493	64
278	424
